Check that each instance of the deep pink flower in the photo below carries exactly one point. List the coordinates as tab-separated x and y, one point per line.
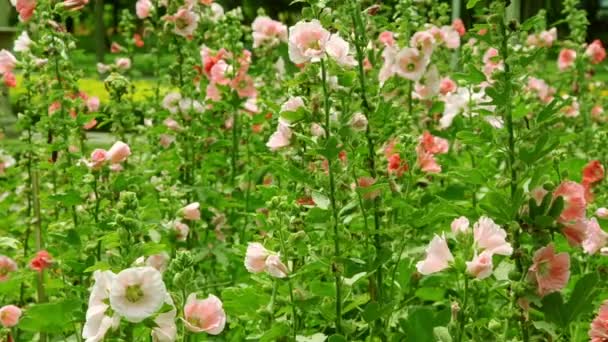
566	59
596	52
426	161
574	201
550	271
598	331
396	166
9	79
458	25
41	261
433	144
447	85
387	38
593	172
25	8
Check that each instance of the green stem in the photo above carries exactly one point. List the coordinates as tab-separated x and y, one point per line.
462	316
289	285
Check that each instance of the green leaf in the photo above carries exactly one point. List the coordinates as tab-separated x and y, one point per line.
372	312
582	296
472	3
554	309
337	338
320	200
275	333
419	325
7	242
442	334
318	337
50	317
244	301
432	294
68	199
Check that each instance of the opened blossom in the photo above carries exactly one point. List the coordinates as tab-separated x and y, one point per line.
307	41
22	43
118	153
490	237
8	62
281	137
9	316
410	63
192	211
185	20
438	256
550	271
7	266
566	59
481	265
268	32
596	52
98	319
255	258
41	261
143	8
137	293
275	267
25	8
598	331
595	237
204	315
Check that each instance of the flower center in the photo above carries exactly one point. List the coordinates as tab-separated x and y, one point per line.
134	293
543	268
411	67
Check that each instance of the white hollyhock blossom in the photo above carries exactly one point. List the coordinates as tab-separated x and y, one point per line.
137	293
98	323
165	330
23	42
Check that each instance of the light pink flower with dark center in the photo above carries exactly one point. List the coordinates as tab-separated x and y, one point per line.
410	63
550	271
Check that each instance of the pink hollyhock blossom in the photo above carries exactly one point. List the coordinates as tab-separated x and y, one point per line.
205	315
575	204
281	137
597	111
307	41
423	41
396	166
171	102
429	85
490	237
192	211
410	63
268	32
98	158
451	37
292	104
9	79
358	122
219	71
447	85
165	329
244	85
92	104
137	293
116	48
492	62
550	271
275	267
103	68
22	43
438	257
123	63
481	265
255	258
598	331
426	161
159	261
460	225
433	144
541	88
596	52
338	49
571	110
74	5
7	265
9	316
8	62
387	38
317	130
25	8
172	124
41	261
602	213
366	182
138	40
118	153
387	70
143	8
538	194
546	38
575	232
458	25
593	172
566	59
595	237
186	22
181	230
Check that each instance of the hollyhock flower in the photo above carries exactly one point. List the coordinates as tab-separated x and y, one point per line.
25	8
9	316
596	52
602	213
244	85
598	332
275	267
181	230
6	161
281	137
74	5
8	62
387	38
358	122
187	105
338	49
186	22
571	110
143	8
92	104
426	161
255	258
366	182
460	225
118	153
165	330
593	172
268	32
165	140
566	59
575	204
396	166
138	40
123	63
292	104
205	315
98	158
116	48
429	85
432	144
159	261
137	293
423	41
481	265
9	79
317	130
171	102
597	111
97	322
410	63
217	12
541	88
447	85
595	237
490	237
546	38
7	265
307	41
550	271
387	70
491	61
438	256
172	124
22	43
192	211
458	25
451	37
103	68
219	71
41	261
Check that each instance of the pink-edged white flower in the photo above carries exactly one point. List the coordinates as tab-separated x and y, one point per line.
185	20
8	62
268	32
7	266
255	258
9	316
275	267
410	63
292	104
595	237
543	39
192	211
123	63
217	12
481	265
281	137
451	37
97	322
389	55
143	8
438	256
460	225
307	41
102	68
118	153
338	49
566	59
206	315
596	52
22	43
423	41
159	261
165	329
137	293
489	236
6	161
598	331
550	271
171	124
171	102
